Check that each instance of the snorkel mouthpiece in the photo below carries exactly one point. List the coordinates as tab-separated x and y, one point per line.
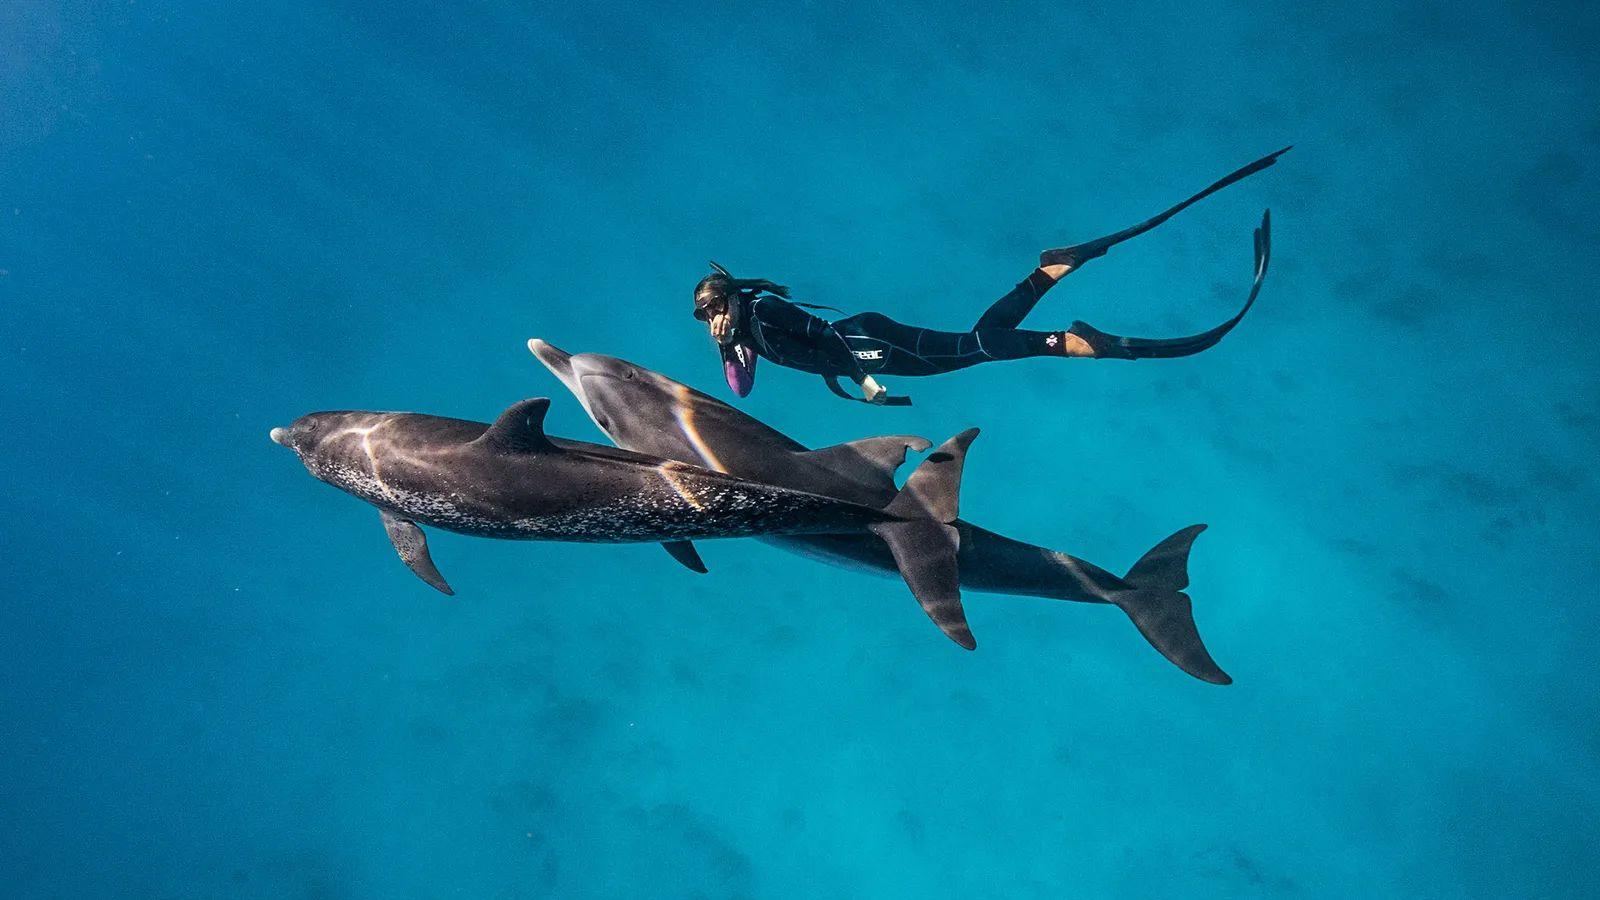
739	367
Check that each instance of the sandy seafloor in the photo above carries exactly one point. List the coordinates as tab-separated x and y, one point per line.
218	681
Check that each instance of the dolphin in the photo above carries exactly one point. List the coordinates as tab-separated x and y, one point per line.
510	480
646	411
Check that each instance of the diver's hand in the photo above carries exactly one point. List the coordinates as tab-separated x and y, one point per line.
875	392
721	327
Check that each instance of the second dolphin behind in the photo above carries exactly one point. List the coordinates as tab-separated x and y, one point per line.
647	412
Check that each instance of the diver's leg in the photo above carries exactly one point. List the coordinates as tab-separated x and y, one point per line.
1010	310
1017	343
1078	254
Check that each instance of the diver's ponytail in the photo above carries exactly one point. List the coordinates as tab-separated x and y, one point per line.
752	285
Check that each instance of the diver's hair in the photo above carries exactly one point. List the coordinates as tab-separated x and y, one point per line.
726	282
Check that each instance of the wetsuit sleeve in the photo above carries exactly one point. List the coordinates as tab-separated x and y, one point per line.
774	312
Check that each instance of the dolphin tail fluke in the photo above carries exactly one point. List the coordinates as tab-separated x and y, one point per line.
1162	612
923	541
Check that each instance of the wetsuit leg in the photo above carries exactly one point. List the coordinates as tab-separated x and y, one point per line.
1016	343
887	347
1010	310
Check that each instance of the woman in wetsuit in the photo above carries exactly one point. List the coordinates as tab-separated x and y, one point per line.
752	317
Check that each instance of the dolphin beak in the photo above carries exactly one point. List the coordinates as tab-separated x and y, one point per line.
280	436
558	361
552	356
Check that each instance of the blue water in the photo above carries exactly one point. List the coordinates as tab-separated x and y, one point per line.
219	682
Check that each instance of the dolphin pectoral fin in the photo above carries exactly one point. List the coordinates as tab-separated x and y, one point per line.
925	552
684	552
520	429
870	460
412	545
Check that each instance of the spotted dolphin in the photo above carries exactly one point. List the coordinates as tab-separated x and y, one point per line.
510	480
648	412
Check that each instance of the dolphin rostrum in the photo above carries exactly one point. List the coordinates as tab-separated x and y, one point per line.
509	480
648	412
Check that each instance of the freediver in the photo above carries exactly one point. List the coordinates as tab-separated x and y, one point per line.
750	317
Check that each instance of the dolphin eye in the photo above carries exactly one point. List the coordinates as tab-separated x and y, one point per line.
630	373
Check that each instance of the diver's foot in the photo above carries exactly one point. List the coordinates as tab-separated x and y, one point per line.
1070	345
1099	344
1069	258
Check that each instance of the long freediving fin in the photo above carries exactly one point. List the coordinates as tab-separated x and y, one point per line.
685	553
412	545
1078	254
925	544
1111	346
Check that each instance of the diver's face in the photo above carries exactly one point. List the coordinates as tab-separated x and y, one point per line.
708	304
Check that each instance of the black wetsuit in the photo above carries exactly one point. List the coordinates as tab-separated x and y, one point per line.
871	343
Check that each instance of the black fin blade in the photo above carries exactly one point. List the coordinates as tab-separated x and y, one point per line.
1078	254
412	545
685	553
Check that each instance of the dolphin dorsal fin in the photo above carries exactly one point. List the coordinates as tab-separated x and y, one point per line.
520	429
869	461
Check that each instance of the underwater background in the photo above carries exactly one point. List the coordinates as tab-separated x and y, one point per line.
219	682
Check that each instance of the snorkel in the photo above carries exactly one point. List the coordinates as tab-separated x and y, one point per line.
720	293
